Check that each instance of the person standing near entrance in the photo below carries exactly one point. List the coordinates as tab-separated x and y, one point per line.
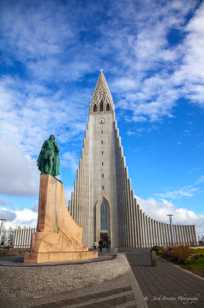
100	246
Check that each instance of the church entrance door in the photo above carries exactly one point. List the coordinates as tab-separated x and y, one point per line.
105	240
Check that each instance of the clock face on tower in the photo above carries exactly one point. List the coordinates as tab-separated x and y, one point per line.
101	121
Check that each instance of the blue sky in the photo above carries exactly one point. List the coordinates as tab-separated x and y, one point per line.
152	55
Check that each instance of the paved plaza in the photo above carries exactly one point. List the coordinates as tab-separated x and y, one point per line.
110	283
167	286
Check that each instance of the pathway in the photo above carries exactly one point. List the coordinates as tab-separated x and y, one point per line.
167	286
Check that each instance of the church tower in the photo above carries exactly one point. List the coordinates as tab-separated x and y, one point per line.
103	201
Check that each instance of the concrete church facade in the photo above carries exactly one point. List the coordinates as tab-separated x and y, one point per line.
103	201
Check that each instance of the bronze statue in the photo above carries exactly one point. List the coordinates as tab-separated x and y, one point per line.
48	161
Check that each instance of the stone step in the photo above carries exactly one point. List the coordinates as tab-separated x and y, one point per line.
130	304
108	302
118	297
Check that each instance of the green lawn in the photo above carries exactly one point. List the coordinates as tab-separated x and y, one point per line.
197	250
196	265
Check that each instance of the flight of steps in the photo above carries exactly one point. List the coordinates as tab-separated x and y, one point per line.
116	297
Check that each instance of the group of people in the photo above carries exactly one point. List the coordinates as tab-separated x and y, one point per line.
103	245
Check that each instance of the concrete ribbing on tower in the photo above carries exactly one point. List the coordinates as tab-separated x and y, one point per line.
187	230
192	239
132	220
166	235
129	215
143	228
147	231
163	234
152	232
127	210
185	235
188	234
144	243
162	231
156	233
135	223
147	237
180	235
192	235
159	233
173	235
138	229
176	235
123	217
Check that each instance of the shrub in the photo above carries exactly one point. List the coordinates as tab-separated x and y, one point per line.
177	254
159	250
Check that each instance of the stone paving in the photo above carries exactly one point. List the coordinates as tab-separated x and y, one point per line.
167	286
87	285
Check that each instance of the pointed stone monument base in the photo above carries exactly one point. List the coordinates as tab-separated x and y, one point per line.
58	237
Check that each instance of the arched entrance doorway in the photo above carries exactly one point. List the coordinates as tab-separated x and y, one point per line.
105	223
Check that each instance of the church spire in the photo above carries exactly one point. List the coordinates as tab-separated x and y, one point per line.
102	98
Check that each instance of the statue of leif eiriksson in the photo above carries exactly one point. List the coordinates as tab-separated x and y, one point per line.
48	161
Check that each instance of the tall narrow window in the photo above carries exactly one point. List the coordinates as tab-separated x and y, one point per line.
101	106
95	108
101	152
105	216
101	141
107	107
102	163
102	175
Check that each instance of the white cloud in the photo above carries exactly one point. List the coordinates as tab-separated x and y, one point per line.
20	217
185	191
19	175
149	74
160	73
32	31
7	214
70	160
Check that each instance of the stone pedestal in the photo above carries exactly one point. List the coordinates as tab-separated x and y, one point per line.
58	237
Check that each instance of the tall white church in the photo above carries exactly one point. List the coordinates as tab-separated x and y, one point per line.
103	201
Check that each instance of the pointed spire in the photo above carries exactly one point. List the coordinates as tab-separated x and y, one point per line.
102	92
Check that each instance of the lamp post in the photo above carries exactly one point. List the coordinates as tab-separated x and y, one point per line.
170	222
